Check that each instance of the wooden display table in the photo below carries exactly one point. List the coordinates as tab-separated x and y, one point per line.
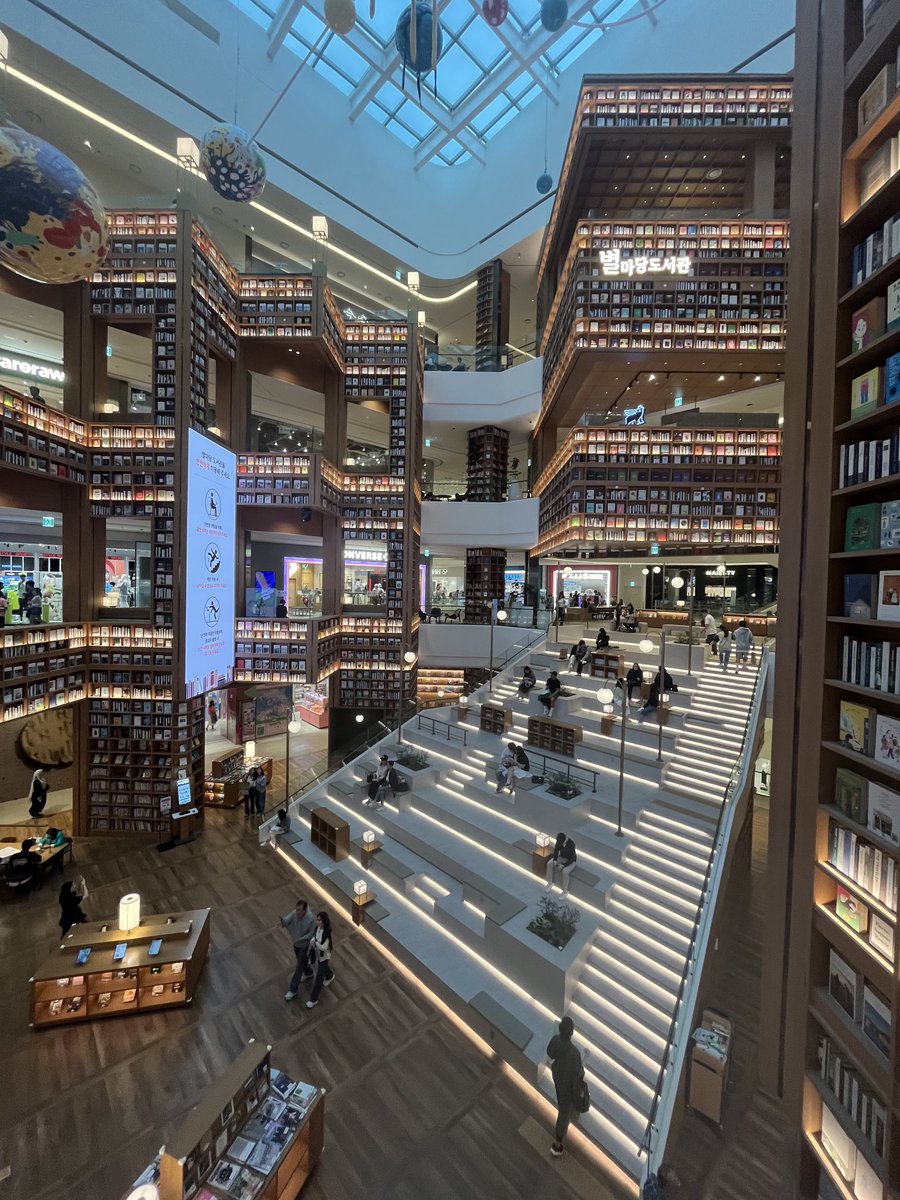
62	990
655	618
555	737
256	1133
606	664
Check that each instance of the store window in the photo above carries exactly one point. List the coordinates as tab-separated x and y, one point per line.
303	586
365	576
126	582
28	572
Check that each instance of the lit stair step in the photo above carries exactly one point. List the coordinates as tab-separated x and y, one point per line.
681	829
608	1024
645	938
648	883
664	866
648	979
631	897
602	989
641	870
650	924
682	849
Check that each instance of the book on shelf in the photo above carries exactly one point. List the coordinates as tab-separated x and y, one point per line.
839	1146
889	532
857	726
876	96
865	393
851	910
851	794
843	984
876	170
881	936
888	596
883	812
887	740
866	1183
862	529
892	378
867	323
876	1019
860	590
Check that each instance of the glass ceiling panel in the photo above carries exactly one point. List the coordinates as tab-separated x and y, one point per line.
473	53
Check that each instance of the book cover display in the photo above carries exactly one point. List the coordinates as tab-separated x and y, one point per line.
851	911
887	740
888	596
865	393
892	377
890	525
859	594
884	813
892	307
867	323
857	726
876	1020
863	528
881	936
843	984
851	794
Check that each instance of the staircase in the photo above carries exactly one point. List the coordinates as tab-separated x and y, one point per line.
639	892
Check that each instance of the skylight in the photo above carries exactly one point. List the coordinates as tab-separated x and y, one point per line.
484	78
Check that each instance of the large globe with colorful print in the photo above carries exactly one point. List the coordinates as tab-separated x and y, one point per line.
52	224
233	163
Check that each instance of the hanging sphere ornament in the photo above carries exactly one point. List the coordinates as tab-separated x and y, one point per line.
554	14
495	12
52	223
340	15
232	163
544	183
419	40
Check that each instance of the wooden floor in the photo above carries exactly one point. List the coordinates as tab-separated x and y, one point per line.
752	1156
414	1110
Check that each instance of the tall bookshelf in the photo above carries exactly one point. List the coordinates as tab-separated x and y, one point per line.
491	316
485	582
831	987
487	463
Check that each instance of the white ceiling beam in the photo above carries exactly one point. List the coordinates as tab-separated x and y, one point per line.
496	83
516	46
649	13
280	25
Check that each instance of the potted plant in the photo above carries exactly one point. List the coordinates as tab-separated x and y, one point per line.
562	786
410	757
555	923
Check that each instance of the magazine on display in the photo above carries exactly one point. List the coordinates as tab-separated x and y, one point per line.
883	816
843	984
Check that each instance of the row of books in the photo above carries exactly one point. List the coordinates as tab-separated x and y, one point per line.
865	864
870	804
871	664
875	318
877	250
866	732
866	1111
862	1003
874	526
879	168
876	387
864	462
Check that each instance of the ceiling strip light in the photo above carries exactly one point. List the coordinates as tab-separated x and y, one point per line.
269	212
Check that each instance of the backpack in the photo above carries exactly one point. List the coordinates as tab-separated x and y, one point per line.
653	1188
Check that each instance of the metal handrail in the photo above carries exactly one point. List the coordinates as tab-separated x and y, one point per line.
461	734
702	905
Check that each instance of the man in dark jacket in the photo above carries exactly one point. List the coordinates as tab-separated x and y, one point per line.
567	1070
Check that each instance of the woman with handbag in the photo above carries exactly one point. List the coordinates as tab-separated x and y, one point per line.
567	1069
320	949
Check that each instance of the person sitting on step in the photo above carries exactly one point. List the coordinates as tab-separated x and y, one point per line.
505	776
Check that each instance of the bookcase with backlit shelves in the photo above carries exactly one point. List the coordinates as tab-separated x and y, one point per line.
491	315
41	668
487	463
847	841
273	651
485	582
276	306
35	438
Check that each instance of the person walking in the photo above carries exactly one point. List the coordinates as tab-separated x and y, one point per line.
321	948
743	644
38	794
567	1069
212	714
71	896
709	626
261	785
301	926
725	643
561	863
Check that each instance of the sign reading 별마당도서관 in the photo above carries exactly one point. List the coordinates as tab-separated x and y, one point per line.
615	263
209	565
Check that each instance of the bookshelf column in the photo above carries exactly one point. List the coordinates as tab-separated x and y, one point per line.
487	464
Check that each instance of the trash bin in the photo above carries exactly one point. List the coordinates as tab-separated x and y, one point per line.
709	1065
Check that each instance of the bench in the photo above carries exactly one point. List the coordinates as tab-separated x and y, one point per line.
581	874
498	1018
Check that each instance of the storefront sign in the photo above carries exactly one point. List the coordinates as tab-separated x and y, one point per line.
614	263
33	369
368	555
209	565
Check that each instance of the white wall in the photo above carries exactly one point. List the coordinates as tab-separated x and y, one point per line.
457	645
510	525
473	398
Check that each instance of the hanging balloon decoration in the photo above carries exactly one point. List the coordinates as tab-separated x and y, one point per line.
554	14
544	183
340	15
545	180
495	12
232	163
52	222
419	40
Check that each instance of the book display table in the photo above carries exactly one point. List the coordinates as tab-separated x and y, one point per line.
64	990
256	1134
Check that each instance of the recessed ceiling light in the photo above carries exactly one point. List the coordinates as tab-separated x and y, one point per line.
341	274
134	168
283	245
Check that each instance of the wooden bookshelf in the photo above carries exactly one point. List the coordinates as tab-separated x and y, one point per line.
831	999
485	581
271	650
681	487
256	1132
495	719
432	681
491	316
487	464
329	833
554	737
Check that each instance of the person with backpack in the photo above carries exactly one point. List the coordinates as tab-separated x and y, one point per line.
567	1069
743	644
504	773
390	783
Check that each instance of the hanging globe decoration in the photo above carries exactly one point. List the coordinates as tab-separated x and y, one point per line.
554	14
419	40
544	183
340	15
495	12
52	223
232	163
